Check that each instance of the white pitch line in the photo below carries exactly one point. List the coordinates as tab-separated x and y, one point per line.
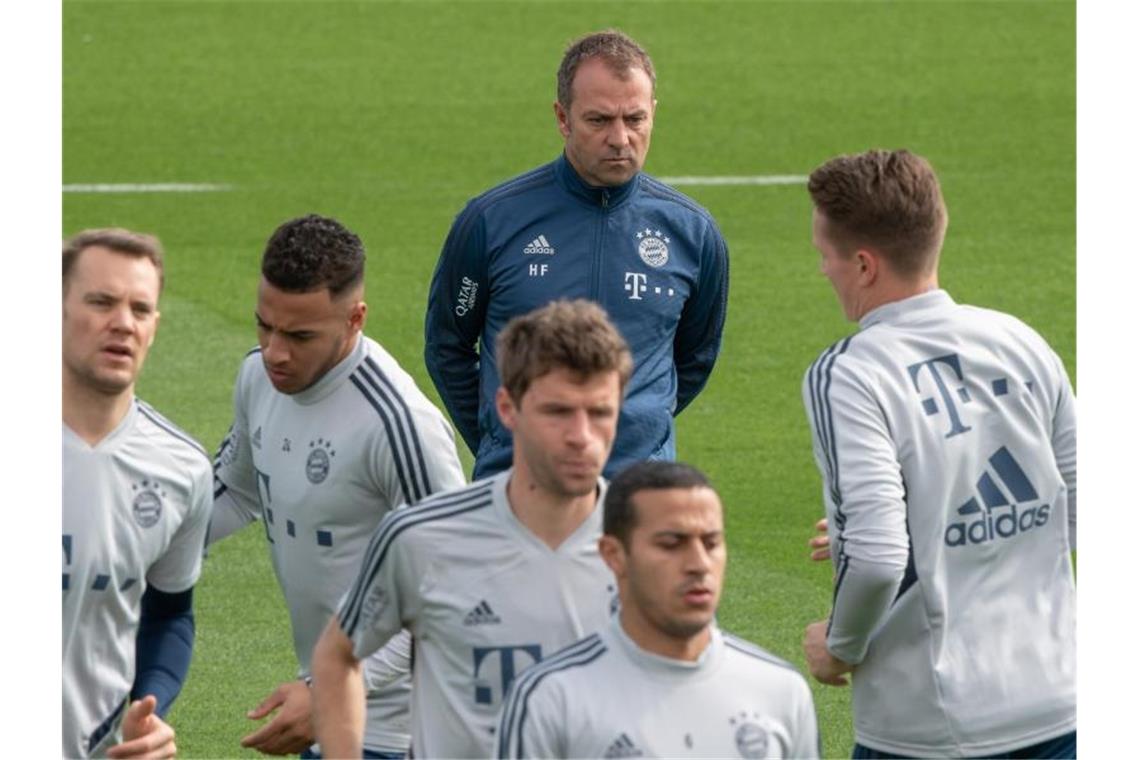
767	179
160	187
186	187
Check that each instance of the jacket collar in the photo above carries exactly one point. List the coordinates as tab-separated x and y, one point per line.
896	311
607	197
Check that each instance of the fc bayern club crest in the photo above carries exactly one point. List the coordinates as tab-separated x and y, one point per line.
319	461
751	738
653	247
147	503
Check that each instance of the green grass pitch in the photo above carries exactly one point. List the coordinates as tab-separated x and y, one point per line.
389	115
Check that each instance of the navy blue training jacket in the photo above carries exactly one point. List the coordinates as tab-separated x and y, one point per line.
653	258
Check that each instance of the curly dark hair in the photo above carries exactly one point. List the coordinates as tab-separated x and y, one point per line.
311	253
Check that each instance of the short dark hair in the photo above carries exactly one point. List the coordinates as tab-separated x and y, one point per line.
127	242
887	199
574	335
619	52
620	518
313	252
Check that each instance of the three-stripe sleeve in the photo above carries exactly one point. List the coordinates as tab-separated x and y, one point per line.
523	730
371	625
865	490
404	446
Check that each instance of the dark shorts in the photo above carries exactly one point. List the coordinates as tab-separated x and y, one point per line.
1061	747
311	754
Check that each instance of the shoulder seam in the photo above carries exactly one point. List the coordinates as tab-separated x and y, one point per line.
658	189
473	212
579	654
400	426
394	523
162	423
478	488
536	177
748	648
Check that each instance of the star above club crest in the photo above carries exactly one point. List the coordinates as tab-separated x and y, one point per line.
743	716
650	233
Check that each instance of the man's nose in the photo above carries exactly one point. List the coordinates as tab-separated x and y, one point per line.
122	318
276	350
577	429
618	134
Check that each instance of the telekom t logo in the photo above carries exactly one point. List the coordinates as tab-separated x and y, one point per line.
929	404
510	660
635	284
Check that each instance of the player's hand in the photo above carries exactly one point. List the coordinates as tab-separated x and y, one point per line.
820	544
145	735
291	730
823	665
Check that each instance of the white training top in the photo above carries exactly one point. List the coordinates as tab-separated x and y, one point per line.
946	436
606	697
135	509
322	467
484	599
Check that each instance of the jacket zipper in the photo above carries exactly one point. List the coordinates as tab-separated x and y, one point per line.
596	280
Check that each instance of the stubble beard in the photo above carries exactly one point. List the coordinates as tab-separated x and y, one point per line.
90	378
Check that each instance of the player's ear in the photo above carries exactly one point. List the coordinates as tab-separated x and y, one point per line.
613	554
505	407
357	314
563	119
154	332
868	263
